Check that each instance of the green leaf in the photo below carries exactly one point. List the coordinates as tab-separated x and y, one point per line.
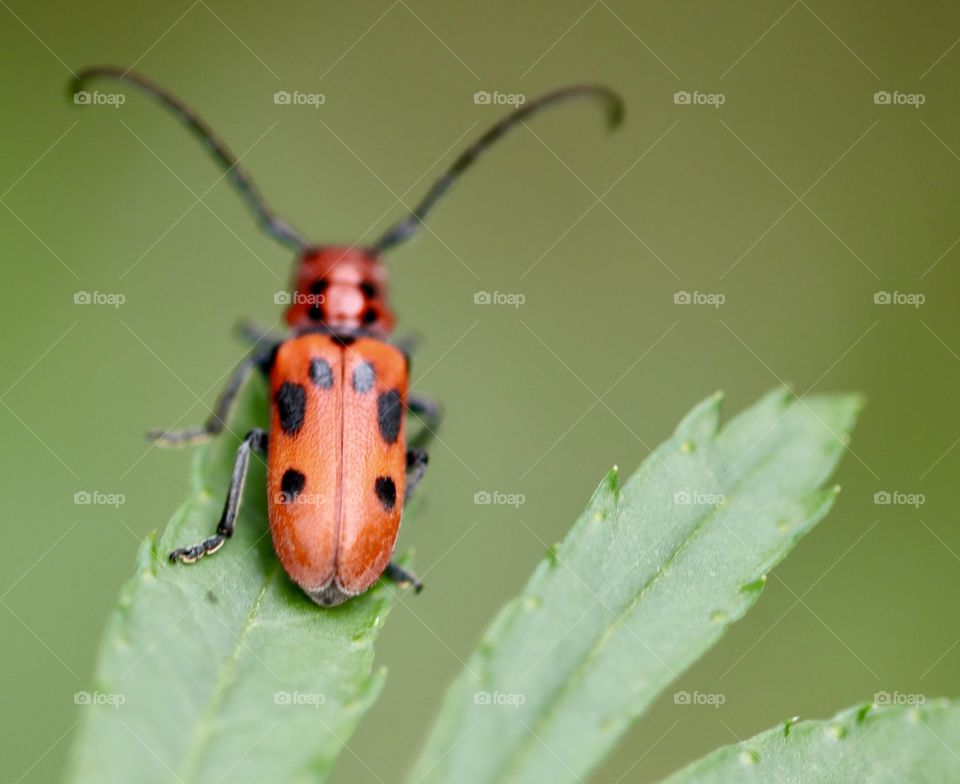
224	670
888	745
645	582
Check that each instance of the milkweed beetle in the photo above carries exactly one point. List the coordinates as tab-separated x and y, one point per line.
339	465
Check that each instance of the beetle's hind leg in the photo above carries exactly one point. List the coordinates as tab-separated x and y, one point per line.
255	441
429	414
417	460
402	577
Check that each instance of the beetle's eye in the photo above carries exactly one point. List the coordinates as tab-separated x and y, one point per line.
368	289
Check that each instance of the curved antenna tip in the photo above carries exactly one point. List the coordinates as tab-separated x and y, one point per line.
617	112
81	77
616	107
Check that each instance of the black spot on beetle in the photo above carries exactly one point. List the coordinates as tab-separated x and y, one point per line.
386	491
291	400
291	485
319	286
389	411
368	289
364	377
315	313
369	316
321	373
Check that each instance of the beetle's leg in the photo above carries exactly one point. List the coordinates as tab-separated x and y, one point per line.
217	420
403	577
417	460
256	440
428	413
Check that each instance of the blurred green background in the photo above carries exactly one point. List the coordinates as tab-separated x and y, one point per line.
797	200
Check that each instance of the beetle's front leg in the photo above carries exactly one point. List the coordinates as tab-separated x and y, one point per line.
253	333
217	420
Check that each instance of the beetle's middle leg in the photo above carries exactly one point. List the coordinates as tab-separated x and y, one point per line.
255	441
417	460
428	414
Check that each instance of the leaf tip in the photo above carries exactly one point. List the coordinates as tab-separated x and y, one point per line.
552	554
613	480
754	586
786	395
858	401
703	420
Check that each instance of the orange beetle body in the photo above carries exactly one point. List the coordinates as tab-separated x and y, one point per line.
336	461
338	465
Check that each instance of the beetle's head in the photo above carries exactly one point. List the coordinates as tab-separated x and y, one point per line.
341	288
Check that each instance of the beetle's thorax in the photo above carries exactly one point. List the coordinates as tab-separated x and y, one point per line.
342	289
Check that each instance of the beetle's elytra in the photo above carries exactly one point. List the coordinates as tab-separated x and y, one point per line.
339	464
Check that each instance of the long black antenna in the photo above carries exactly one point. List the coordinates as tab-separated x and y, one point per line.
405	228
279	229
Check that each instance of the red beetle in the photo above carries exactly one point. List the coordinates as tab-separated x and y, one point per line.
339	466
